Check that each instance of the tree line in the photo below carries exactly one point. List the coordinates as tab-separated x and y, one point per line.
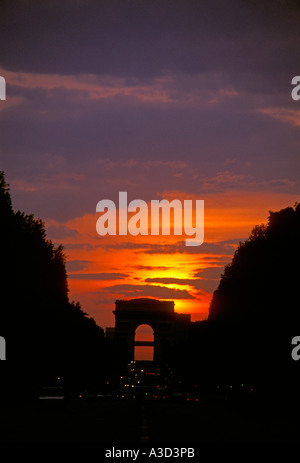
47	335
253	315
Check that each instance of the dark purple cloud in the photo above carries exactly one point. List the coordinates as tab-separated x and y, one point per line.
97	276
201	284
210	273
77	264
59	232
145	38
150	267
160	292
226	247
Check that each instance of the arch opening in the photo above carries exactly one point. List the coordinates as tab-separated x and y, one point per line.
144	334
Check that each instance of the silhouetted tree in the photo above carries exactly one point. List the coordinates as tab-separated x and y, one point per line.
261	280
253	316
255	311
46	334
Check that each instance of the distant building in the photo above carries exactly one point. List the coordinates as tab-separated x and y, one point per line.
110	333
169	327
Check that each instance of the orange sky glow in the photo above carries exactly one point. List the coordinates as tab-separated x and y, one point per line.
125	267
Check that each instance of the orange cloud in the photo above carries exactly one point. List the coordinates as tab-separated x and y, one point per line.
291	116
165	89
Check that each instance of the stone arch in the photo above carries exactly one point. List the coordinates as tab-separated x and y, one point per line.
144	342
168	326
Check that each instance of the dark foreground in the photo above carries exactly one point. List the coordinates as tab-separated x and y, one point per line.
119	421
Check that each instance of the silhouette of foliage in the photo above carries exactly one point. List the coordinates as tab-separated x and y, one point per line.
253	316
254	313
46	334
261	281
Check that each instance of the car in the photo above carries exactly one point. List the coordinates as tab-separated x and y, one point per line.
51	394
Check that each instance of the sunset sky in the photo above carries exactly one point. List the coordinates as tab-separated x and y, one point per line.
178	99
